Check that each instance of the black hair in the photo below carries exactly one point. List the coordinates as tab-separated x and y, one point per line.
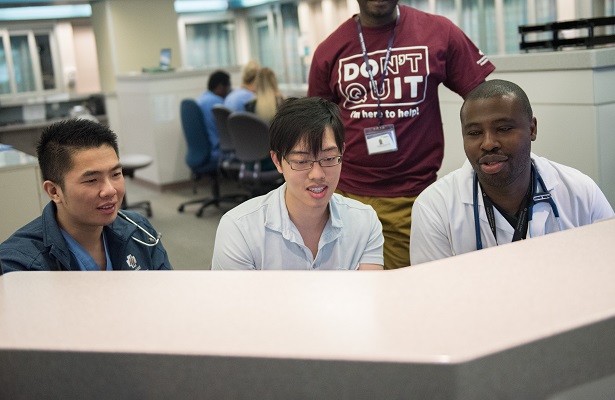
497	88
304	120
60	140
218	78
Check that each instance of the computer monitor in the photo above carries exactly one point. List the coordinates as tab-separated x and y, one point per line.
165	58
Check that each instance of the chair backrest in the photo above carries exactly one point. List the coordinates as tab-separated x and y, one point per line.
221	114
251	136
198	153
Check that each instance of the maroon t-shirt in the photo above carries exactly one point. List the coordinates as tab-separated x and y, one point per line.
427	50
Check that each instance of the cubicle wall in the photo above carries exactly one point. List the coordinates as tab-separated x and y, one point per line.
148	119
23	197
528	320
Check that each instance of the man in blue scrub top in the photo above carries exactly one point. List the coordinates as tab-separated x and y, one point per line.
218	87
79	229
303	224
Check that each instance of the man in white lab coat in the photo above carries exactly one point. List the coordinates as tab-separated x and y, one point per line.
503	192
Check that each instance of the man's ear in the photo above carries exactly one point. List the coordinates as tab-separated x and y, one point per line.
274	158
53	190
534	128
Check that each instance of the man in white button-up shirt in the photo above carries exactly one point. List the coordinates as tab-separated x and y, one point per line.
302	225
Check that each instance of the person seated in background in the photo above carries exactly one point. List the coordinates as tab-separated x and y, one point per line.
265	104
303	224
503	192
237	99
79	229
268	96
218	87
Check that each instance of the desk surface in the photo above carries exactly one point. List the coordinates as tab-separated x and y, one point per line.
452	312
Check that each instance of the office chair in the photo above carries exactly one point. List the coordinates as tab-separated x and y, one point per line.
229	165
202	159
251	137
131	163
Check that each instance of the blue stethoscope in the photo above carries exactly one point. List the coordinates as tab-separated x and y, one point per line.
153	241
537	197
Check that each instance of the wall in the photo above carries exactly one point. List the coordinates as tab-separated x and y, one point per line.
130	34
86	59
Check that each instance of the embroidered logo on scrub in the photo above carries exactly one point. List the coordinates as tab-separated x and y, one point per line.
132	262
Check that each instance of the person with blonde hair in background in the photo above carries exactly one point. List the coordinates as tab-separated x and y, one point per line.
237	99
268	96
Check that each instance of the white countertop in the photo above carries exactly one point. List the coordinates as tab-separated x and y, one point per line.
449	311
528	320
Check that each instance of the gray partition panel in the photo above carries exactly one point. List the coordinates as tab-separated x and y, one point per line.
532	371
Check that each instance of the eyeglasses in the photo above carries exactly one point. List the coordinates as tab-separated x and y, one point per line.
304	165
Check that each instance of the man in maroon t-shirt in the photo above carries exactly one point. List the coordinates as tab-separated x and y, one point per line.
391	110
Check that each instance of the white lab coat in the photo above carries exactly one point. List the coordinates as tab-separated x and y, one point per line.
443	214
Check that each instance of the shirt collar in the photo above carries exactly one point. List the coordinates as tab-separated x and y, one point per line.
277	218
84	259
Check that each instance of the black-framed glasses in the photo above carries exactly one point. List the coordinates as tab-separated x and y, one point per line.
304	165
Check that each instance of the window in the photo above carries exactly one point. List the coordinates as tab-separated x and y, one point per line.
27	62
515	14
609	11
209	41
447	9
491	24
422	5
274	41
5	79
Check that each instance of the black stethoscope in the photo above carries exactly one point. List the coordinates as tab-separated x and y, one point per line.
537	197
153	241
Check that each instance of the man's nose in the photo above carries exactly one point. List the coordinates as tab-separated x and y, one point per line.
490	141
317	172
108	189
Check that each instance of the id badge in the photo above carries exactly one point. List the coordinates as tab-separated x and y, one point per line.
380	139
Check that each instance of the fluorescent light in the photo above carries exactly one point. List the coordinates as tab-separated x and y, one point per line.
248	3
187	6
46	12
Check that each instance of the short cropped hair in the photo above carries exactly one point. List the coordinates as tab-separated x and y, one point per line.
497	88
60	140
218	78
304	120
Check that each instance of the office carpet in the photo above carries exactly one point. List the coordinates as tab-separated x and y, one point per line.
188	239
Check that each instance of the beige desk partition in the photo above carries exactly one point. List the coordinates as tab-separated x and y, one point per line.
527	320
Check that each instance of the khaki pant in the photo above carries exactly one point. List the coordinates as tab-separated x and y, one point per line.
395	214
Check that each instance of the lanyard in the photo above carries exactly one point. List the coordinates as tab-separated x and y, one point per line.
378	89
525	217
521	223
